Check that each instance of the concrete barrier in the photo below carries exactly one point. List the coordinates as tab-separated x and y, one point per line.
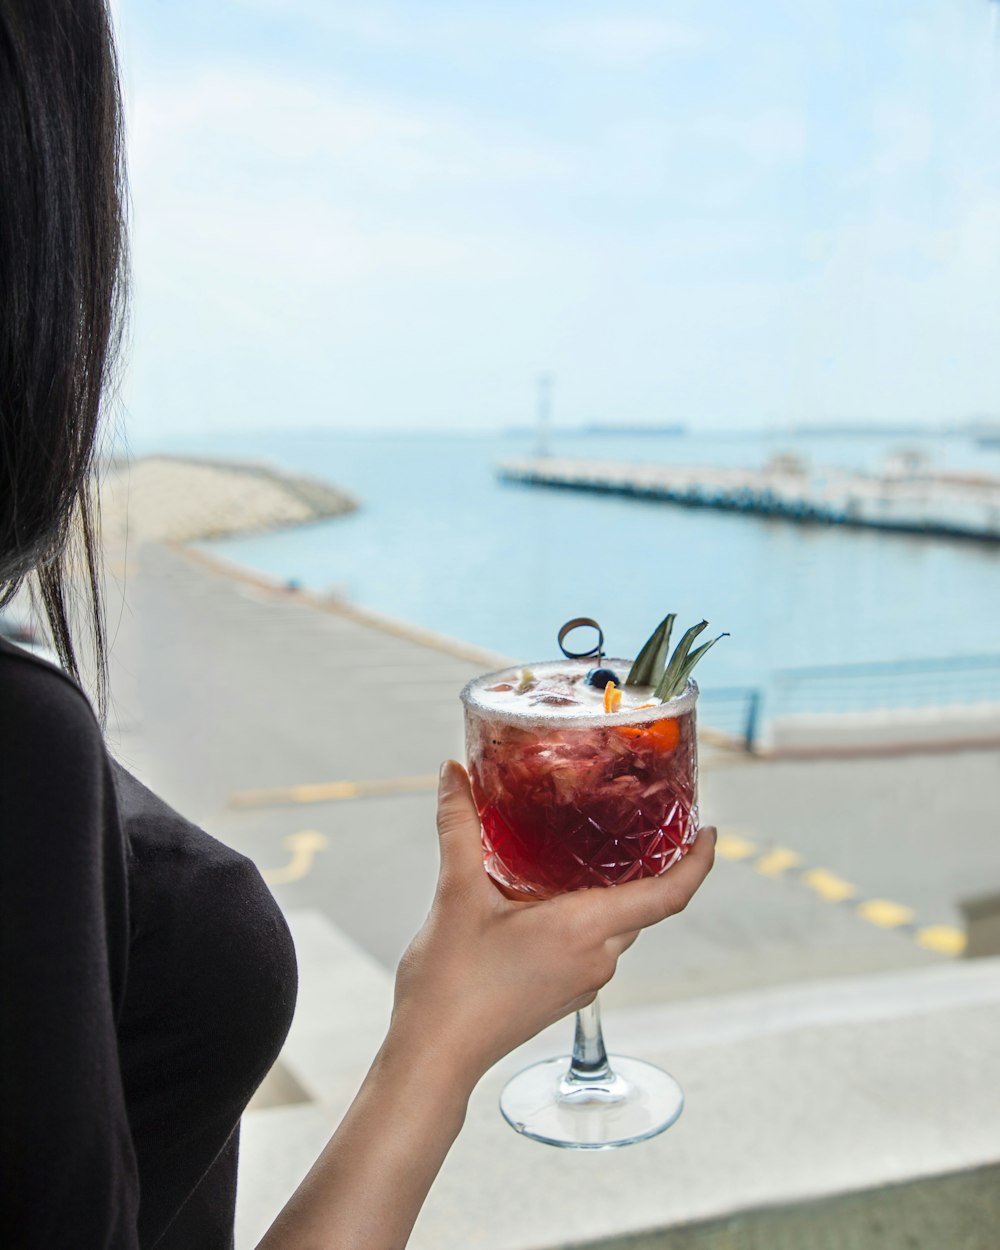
901	728
821	1116
982	923
956	1212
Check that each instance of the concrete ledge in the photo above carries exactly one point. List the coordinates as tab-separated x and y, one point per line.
786	1104
345	998
934	728
956	1212
982	921
806	1106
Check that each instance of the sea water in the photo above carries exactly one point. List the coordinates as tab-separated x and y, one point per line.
439	541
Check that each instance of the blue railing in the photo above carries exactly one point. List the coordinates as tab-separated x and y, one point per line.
734	711
961	681
883	686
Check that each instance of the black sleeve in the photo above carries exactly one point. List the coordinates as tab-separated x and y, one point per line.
67	1165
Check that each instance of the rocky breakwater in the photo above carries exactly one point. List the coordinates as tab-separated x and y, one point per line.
182	499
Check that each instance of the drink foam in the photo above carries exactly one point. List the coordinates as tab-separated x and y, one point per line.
531	684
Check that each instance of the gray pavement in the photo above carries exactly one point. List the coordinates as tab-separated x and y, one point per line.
821	1111
224	687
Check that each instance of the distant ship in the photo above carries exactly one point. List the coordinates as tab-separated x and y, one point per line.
671	431
610	428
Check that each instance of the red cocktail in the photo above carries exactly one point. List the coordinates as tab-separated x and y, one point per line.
587	776
573	796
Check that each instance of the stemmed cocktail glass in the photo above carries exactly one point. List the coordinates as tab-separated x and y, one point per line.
573	797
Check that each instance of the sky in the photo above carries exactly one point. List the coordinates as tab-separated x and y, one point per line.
396	215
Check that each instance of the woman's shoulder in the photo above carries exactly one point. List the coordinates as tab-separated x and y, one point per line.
44	715
53	761
62	853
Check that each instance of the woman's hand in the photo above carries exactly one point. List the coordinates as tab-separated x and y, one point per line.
485	973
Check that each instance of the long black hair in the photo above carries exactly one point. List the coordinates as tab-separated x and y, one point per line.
62	298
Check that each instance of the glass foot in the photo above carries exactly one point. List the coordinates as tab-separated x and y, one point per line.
634	1101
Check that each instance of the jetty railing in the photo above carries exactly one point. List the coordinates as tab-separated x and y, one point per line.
733	711
887	685
963	681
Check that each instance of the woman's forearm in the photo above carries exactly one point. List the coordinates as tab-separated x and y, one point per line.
366	1188
482	976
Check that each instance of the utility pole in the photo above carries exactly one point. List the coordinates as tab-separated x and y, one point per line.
544	414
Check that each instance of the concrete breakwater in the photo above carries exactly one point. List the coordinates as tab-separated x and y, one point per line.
965	506
183	499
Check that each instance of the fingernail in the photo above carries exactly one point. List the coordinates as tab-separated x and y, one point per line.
446	773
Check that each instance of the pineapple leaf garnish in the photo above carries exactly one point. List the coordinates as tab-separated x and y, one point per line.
679	681
651	667
651	660
669	683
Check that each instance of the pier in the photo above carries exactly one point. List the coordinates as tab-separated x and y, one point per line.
899	500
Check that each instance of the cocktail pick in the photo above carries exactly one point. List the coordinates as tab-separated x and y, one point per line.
578	622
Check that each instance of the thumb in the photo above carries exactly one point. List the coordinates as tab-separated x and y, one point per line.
459	830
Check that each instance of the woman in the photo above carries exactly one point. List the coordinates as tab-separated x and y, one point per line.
148	977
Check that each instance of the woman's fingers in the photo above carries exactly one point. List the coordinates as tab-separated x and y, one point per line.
638	904
620	942
619	912
459	830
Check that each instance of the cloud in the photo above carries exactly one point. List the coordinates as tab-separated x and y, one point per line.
623	38
369	22
243	124
408	233
904	137
615	40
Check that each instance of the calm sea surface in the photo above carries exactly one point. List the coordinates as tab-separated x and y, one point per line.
440	542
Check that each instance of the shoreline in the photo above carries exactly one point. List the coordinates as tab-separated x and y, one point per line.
180	500
395	626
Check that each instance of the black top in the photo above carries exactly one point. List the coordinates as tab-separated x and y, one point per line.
147	981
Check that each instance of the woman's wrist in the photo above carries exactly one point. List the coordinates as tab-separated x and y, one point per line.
429	1060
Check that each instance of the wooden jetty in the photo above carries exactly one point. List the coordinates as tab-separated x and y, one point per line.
945	505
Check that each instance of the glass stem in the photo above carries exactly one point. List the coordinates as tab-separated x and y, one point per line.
590	1059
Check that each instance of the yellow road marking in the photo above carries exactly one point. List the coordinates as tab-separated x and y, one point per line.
303	846
329	791
732	846
943	938
884	913
777	861
828	885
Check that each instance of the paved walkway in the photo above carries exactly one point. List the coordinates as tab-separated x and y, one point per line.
231	698
827	868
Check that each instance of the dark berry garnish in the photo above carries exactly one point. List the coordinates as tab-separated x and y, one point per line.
599	678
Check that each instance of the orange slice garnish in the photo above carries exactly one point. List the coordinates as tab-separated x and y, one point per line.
661	735
665	733
612	697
